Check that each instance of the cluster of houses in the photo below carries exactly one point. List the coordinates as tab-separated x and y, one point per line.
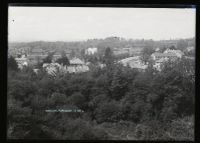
38	55
158	58
169	54
77	65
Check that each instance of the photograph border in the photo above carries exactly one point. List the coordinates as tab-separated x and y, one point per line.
4	48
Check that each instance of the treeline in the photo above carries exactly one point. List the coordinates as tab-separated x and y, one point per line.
113	42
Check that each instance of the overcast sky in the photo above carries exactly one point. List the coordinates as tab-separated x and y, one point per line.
76	23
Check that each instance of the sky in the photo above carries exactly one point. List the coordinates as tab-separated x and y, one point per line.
27	24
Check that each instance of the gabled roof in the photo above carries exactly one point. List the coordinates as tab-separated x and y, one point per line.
174	51
76	61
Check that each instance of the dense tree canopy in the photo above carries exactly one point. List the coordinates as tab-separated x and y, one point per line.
116	102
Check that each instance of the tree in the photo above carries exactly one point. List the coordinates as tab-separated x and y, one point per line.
108	112
146	53
182	44
73	53
49	58
119	84
78	100
63	60
163	48
108	57
12	64
172	47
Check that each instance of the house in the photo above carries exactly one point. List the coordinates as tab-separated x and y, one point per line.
76	66
169	54
76	62
91	51
159	63
191	48
178	53
133	62
22	62
51	68
156	56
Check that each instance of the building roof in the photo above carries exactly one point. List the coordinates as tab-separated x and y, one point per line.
133	62
129	59
76	61
164	54
174	51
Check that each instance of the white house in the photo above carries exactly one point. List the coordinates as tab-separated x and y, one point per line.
91	51
76	62
156	56
159	63
76	66
178	53
22	62
133	62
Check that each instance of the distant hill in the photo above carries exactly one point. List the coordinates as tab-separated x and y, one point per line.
112	42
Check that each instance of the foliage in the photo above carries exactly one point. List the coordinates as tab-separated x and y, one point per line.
117	103
49	58
63	60
108	56
146	53
12	64
182	44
